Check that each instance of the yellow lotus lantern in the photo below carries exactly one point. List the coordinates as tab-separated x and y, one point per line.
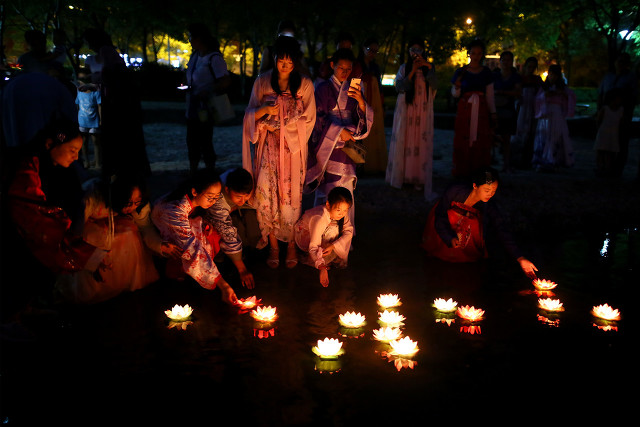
470	313
248	303
549	304
264	314
404	347
386	334
179	313
544	284
352	320
391	318
606	312
329	348
445	306
388	300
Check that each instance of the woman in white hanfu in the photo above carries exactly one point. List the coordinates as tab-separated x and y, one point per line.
411	147
277	123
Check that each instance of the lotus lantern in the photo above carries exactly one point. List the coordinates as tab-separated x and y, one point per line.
388	300
387	334
470	313
264	314
391	318
404	347
445	306
352	320
248	303
179	313
544	284
604	311
329	348
550	304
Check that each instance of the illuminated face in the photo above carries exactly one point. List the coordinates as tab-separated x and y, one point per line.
475	55
238	199
208	197
66	153
342	69
486	191
134	201
338	210
284	65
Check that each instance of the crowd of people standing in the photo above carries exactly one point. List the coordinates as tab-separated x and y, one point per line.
301	135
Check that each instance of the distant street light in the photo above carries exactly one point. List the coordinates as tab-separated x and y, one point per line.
469	21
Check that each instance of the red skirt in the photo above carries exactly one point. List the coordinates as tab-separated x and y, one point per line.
174	270
467	224
469	157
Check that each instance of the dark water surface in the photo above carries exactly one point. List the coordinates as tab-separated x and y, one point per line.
119	363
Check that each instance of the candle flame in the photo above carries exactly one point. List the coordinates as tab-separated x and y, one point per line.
387	334
445	305
179	312
470	313
352	319
604	311
329	347
391	318
544	284
550	304
388	300
404	347
264	314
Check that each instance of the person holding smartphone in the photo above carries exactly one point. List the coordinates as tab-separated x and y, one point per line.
411	148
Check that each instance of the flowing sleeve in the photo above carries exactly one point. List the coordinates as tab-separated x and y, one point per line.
172	220
149	232
252	133
442	224
219	218
317	225
342	245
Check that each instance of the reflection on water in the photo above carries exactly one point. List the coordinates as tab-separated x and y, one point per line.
225	362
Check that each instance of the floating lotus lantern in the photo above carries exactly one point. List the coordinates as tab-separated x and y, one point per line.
391	318
549	304
388	300
387	334
329	348
264	314
248	303
470	313
544	284
604	311
404	347
446	306
179	313
352	320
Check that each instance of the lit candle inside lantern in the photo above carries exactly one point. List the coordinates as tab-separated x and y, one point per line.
404	347
604	311
387	334
179	313
388	300
445	306
470	313
391	318
352	320
550	304
328	348
248	303
544	284
264	314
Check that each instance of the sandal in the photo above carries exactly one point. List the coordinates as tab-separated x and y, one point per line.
273	260
292	259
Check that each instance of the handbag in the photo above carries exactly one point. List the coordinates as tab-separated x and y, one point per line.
355	150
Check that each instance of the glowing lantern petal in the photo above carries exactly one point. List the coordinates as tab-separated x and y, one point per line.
352	320
328	348
391	318
445	306
470	313
404	347
179	313
544	284
264	314
248	303
604	311
388	300
387	334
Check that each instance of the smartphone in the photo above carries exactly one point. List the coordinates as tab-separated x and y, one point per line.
355	81
183	87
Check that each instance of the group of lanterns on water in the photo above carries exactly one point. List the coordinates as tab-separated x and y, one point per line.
401	349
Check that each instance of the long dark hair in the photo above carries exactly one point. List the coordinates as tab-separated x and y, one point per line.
122	188
199	181
411	92
560	84
287	47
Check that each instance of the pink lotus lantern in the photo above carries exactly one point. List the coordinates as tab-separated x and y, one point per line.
248	303
391	318
351	320
470	313
264	314
386	334
544	284
445	306
404	347
388	300
549	304
179	313
329	348
604	311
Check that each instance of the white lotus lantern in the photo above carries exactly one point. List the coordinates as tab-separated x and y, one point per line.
544	284
329	348
248	303
606	312
404	347
264	314
179	313
470	313
445	306
388	300
386	334
391	318
549	304
352	320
